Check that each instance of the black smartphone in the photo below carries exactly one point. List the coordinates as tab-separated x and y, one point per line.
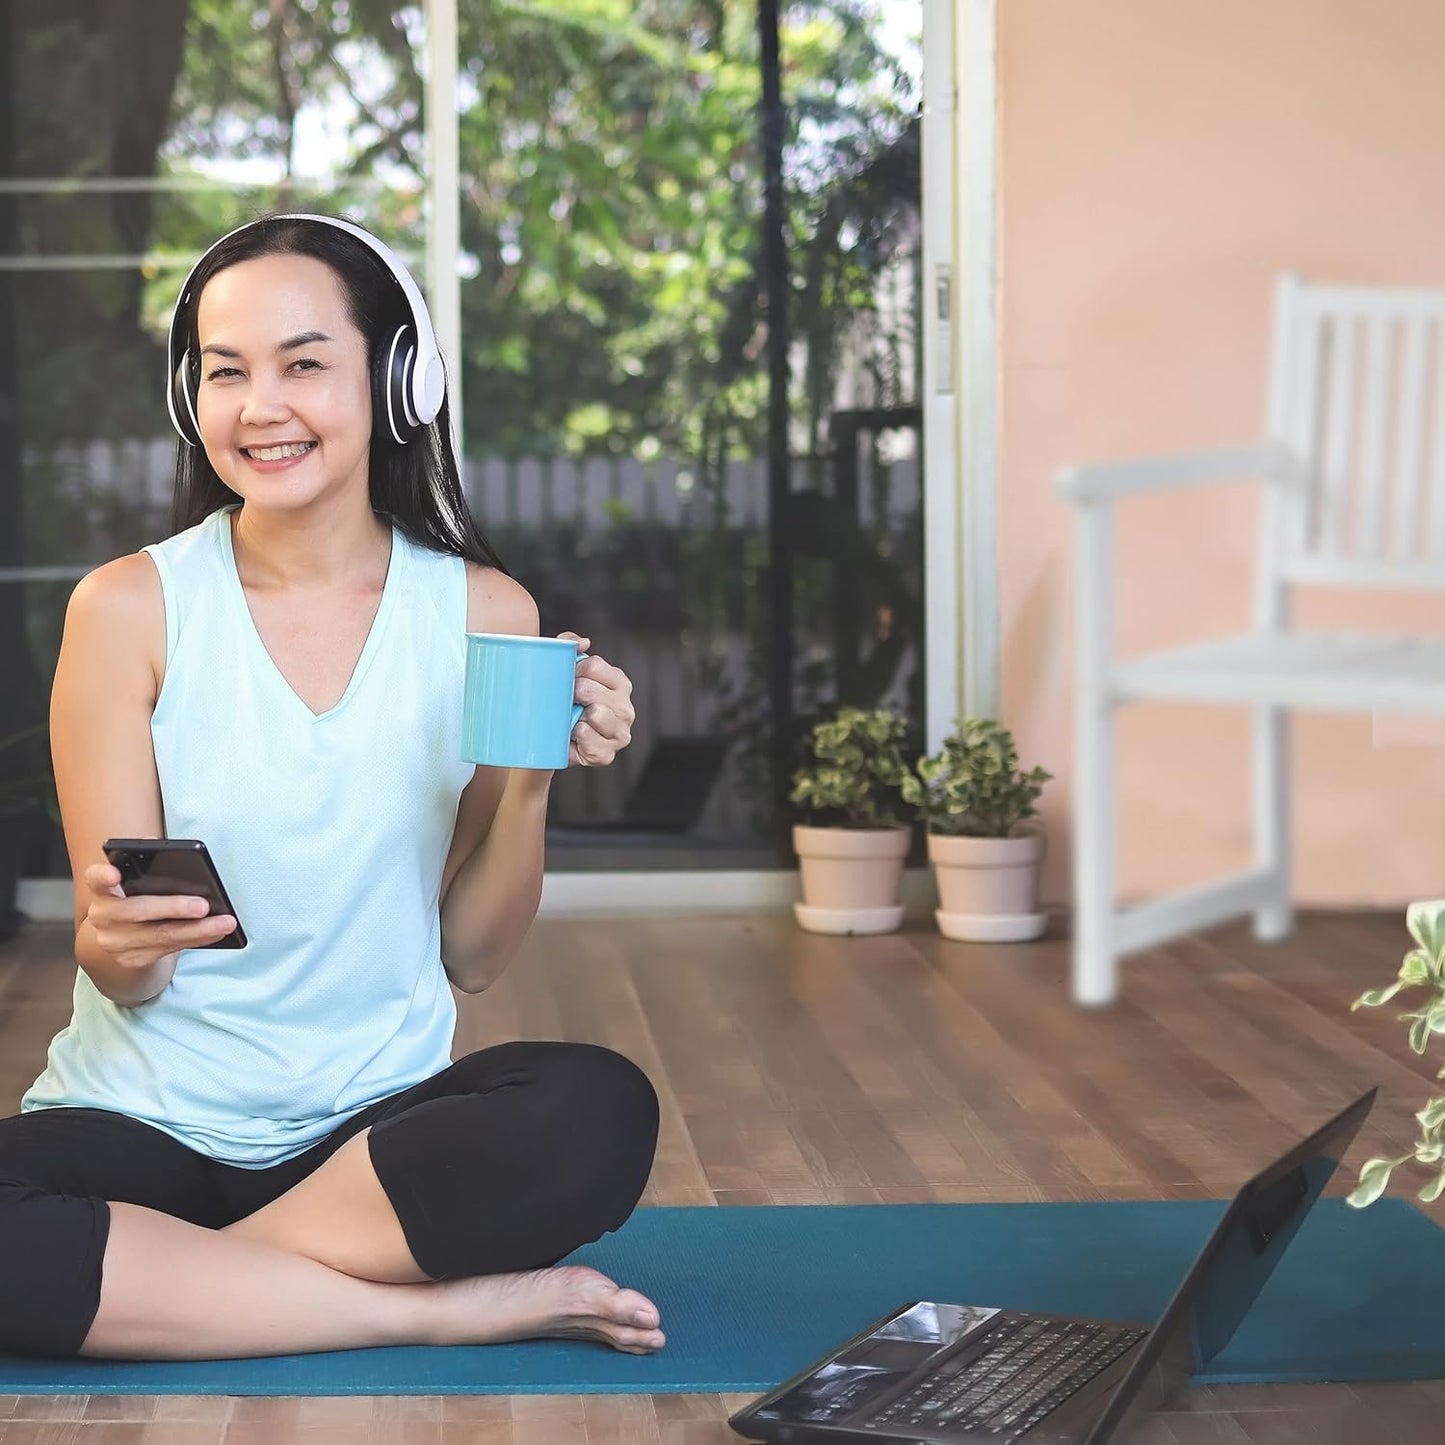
180	866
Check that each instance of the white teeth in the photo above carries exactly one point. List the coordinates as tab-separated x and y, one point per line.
274	454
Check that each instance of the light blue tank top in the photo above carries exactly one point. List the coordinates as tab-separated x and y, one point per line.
330	832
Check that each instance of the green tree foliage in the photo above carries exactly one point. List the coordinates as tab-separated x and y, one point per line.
611	189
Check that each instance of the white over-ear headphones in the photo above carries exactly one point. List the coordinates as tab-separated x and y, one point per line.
408	382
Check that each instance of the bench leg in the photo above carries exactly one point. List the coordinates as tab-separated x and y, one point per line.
1272	818
1095	956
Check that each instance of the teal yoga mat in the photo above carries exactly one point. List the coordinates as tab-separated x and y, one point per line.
751	1295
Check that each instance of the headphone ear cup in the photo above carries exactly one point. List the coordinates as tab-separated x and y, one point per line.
185	402
392	418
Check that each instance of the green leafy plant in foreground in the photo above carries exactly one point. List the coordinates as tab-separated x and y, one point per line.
1423	967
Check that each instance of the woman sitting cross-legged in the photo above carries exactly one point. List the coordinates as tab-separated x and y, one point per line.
269	1150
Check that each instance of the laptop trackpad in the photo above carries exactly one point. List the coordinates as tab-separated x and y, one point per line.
877	1353
910	1339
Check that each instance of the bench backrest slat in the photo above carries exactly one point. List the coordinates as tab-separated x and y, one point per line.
1358	393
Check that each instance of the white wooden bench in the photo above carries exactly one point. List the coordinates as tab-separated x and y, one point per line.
1353	474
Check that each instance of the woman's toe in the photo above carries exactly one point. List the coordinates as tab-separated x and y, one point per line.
642	1341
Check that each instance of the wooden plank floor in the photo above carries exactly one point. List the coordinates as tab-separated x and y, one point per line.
796	1069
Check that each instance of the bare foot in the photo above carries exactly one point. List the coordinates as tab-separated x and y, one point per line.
566	1302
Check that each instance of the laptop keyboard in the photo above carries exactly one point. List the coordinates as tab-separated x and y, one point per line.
1028	1367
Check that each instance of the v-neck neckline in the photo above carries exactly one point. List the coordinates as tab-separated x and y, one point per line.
368	648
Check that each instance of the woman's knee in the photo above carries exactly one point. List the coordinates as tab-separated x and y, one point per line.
514	1178
577	1087
51	1251
600	1080
606	1109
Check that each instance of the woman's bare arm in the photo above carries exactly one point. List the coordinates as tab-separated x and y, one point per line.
492	881
106	683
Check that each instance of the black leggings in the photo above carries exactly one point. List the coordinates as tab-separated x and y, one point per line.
508	1160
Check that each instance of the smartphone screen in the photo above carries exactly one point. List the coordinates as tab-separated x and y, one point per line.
173	867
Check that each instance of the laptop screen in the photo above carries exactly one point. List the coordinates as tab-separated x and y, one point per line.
1231	1269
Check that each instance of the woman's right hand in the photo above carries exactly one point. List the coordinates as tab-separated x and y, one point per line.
138	932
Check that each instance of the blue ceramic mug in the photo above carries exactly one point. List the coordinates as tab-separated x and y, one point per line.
517	707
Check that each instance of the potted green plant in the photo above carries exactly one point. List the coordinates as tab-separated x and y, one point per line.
975	801
855	836
1423	967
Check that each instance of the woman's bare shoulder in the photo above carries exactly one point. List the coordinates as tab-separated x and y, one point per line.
119	605
498	603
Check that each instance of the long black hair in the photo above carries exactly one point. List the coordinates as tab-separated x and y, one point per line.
415	486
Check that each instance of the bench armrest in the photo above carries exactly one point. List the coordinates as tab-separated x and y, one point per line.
1103	481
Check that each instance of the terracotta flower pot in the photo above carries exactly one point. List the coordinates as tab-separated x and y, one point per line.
988	888
850	878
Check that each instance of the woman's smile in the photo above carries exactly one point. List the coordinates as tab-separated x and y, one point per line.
278	455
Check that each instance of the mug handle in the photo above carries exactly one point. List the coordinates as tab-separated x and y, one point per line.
577	707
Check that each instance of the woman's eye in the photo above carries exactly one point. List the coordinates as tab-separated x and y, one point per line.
302	363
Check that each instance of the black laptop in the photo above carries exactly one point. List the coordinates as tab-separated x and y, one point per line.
945	1372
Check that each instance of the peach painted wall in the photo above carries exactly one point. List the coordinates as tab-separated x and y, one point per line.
1160	161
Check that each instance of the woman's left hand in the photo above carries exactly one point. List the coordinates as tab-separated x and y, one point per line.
605	692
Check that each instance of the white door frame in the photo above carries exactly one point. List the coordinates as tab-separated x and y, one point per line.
443	197
960	338
943	619
975	349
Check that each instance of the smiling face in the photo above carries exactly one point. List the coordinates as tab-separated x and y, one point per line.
284	400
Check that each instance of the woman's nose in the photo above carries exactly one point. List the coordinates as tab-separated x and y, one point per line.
263	403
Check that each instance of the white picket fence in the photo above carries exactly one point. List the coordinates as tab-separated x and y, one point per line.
595	492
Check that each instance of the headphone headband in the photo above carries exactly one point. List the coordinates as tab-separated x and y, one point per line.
413	380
